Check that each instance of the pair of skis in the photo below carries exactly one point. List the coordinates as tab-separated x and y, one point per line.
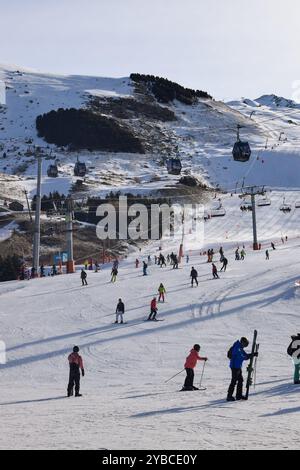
251	369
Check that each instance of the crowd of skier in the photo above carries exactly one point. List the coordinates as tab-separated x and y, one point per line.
236	354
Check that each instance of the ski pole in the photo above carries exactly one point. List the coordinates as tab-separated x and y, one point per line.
202	374
174	376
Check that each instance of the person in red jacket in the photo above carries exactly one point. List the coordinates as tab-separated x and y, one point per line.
76	364
190	364
153	312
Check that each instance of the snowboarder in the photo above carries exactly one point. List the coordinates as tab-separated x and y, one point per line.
114	273
225	264
153	308
190	364
145	267
76	364
83	276
215	271
294	352
162	292
273	246
267	255
120	310
194	277
237	356
137	263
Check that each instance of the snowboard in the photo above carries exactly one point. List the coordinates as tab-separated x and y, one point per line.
250	368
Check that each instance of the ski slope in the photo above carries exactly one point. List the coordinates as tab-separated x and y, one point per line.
126	404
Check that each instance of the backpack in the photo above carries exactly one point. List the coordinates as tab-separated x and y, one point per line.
229	353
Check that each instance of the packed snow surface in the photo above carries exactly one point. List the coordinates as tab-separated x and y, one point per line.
126	403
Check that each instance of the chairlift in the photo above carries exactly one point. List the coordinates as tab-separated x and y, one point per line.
241	151
174	166
285	208
218	210
246	206
80	169
52	171
264	202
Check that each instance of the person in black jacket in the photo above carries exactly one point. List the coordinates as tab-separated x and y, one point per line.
294	352
194	276
83	276
120	310
76	364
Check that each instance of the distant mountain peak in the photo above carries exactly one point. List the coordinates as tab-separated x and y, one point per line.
276	101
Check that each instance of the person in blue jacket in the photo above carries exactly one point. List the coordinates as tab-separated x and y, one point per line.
237	357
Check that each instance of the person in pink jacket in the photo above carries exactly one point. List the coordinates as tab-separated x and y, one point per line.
190	364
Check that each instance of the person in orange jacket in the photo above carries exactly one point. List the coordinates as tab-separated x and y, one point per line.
153	312
76	364
190	364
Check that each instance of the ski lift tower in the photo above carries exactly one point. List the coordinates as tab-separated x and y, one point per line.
253	191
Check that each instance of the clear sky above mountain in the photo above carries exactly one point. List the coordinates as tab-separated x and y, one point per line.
230	48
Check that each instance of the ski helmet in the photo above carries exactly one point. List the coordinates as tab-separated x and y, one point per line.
76	349
197	347
244	342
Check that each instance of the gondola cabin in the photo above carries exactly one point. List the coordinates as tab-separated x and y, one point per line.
52	171
80	169
241	151
174	166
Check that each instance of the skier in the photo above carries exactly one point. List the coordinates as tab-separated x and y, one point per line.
187	259
190	364
153	312
215	271
237	255
273	246
83	276
97	267
294	352
162	292
243	254
145	267
155	259
225	264
237	356
76	364
120	310
137	263
267	255
114	273
194	277
175	265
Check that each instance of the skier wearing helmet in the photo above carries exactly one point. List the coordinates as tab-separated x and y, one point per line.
190	364
76	364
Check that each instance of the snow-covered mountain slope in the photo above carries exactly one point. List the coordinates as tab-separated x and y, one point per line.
203	135
126	403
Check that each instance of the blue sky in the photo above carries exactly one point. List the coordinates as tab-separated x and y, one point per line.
231	48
